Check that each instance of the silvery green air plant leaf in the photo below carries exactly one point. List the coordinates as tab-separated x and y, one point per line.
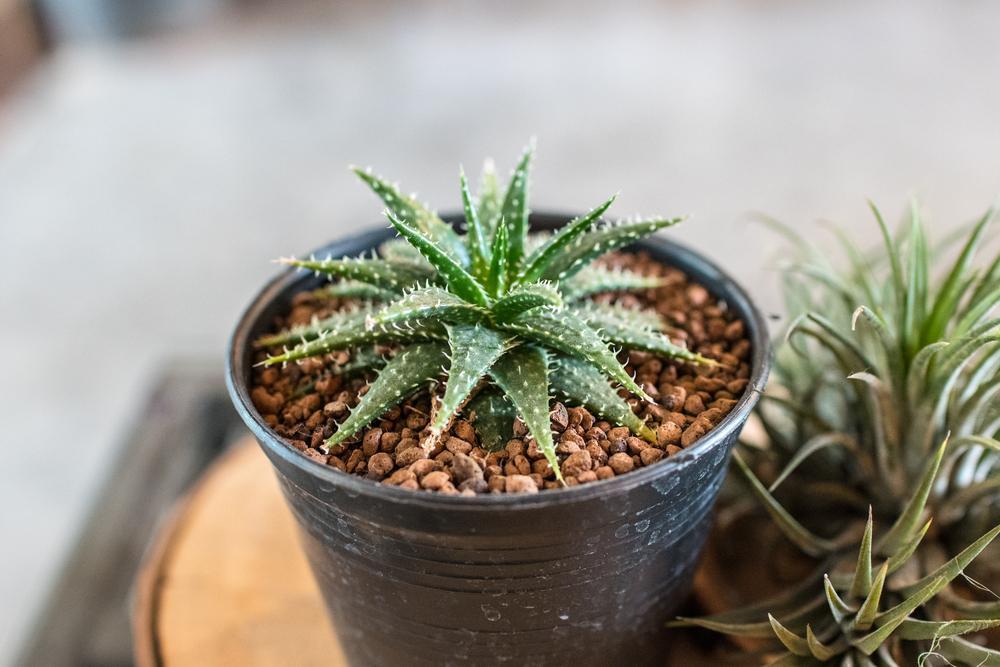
884	358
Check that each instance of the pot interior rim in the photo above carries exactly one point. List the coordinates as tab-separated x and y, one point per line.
700	269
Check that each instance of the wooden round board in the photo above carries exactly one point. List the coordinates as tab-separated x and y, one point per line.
226	583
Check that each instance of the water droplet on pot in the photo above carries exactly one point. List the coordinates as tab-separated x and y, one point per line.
564	616
490	613
622	531
642	526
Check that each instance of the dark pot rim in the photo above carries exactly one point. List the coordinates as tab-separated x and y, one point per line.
699	268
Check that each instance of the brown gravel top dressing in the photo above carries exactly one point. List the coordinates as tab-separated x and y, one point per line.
304	402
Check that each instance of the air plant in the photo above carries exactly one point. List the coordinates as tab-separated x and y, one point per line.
501	314
870	613
880	364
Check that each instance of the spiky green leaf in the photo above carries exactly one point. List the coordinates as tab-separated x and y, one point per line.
412	367
915	629
899	557
523	374
538	263
793	642
378	272
598	279
956	565
418	216
611	315
579	383
821	651
355	289
398	251
344	320
358	335
479	250
567	333
950	292
959	651
588	247
489	199
474	349
515	207
496	283
523	298
838	608
424	303
457	278
811	446
630	329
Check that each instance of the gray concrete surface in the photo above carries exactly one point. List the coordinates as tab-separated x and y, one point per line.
144	187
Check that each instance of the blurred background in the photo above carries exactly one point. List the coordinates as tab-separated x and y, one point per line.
156	154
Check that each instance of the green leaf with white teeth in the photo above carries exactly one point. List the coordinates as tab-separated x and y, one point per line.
626	330
515	208
452	273
417	215
359	335
579	383
524	298
600	241
602	315
376	272
496	281
597	280
346	320
567	333
413	367
398	251
425	303
490	202
355	289
522	374
551	250
473	351
479	248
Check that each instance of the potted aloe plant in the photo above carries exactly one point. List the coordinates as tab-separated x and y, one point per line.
502	444
879	464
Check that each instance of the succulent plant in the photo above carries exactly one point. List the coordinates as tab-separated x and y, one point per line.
502	314
880	364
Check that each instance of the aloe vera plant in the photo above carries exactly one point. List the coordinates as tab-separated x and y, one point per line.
501	315
881	363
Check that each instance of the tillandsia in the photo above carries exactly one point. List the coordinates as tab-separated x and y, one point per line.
501	316
883	603
882	361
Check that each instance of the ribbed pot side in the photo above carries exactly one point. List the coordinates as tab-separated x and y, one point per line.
586	575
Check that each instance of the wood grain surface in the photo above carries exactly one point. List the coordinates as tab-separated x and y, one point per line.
227	583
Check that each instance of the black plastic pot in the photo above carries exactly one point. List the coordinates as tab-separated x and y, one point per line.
585	575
